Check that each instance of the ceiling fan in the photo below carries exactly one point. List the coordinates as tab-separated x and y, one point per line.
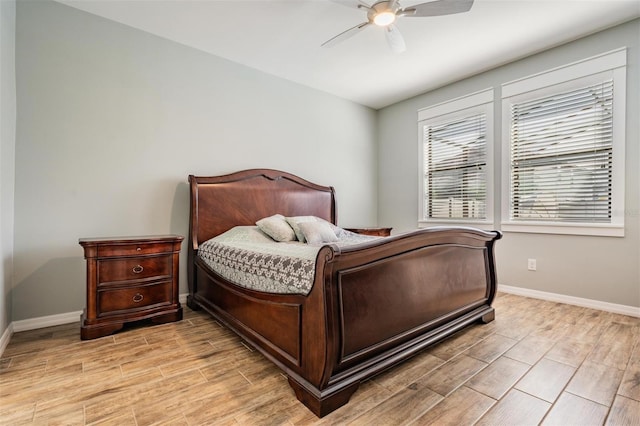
384	13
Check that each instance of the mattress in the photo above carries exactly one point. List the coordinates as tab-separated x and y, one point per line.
247	257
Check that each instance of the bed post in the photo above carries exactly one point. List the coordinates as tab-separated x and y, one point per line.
319	404
488	317
493	276
192	248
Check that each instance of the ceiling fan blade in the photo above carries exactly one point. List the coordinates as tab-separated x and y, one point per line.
393	5
395	39
353	3
437	8
345	35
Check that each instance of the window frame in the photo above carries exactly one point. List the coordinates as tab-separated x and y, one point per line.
611	65
481	102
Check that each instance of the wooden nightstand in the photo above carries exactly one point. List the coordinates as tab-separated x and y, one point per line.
130	279
378	232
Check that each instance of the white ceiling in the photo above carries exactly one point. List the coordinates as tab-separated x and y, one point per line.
283	37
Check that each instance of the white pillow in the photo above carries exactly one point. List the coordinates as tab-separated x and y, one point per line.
277	227
295	224
317	232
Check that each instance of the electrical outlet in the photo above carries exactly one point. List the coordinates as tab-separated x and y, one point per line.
531	264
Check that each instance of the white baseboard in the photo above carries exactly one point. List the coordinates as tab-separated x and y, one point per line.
6	336
48	321
632	311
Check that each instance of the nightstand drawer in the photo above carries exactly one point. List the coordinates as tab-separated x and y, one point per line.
112	301
114	270
134	249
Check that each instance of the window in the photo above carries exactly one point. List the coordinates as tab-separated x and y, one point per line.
561	151
565	146
455	146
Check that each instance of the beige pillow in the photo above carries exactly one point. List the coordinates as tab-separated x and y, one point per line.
295	222
277	227
317	232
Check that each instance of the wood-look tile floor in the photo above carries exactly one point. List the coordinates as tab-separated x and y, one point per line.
537	363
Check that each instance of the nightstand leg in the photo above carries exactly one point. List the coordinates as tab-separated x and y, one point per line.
93	331
192	304
168	317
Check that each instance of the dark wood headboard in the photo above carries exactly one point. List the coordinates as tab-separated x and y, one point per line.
218	203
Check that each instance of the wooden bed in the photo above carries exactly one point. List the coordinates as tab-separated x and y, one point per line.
371	306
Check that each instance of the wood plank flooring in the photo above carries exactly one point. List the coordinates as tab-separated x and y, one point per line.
537	363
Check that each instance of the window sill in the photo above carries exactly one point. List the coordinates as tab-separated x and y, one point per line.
564	229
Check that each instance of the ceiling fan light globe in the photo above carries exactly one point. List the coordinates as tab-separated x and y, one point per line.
385	18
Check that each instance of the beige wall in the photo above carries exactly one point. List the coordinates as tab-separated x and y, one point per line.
599	268
111	120
7	151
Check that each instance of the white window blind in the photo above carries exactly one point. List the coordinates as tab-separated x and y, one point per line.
455	159
561	156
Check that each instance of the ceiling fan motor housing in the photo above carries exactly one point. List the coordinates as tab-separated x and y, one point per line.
381	13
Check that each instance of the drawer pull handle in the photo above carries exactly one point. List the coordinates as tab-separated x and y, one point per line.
137	269
138	249
138	298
